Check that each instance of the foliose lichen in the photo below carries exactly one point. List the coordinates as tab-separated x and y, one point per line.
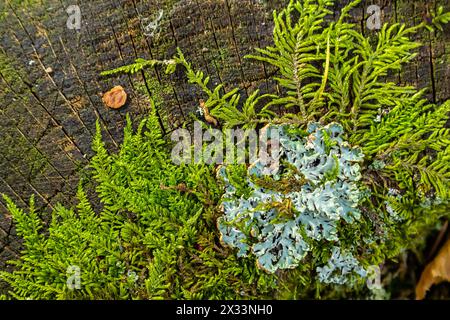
280	225
340	268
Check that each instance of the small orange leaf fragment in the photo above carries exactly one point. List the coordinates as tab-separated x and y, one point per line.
435	272
115	98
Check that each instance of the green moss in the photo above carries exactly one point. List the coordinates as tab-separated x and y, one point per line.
153	239
17	4
10	72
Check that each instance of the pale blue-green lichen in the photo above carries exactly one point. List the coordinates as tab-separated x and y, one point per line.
341	267
329	194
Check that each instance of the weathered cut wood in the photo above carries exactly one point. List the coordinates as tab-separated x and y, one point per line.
47	116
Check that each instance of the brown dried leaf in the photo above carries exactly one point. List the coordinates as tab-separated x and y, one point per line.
208	117
211	120
435	272
115	98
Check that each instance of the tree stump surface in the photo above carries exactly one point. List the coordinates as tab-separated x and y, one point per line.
51	88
